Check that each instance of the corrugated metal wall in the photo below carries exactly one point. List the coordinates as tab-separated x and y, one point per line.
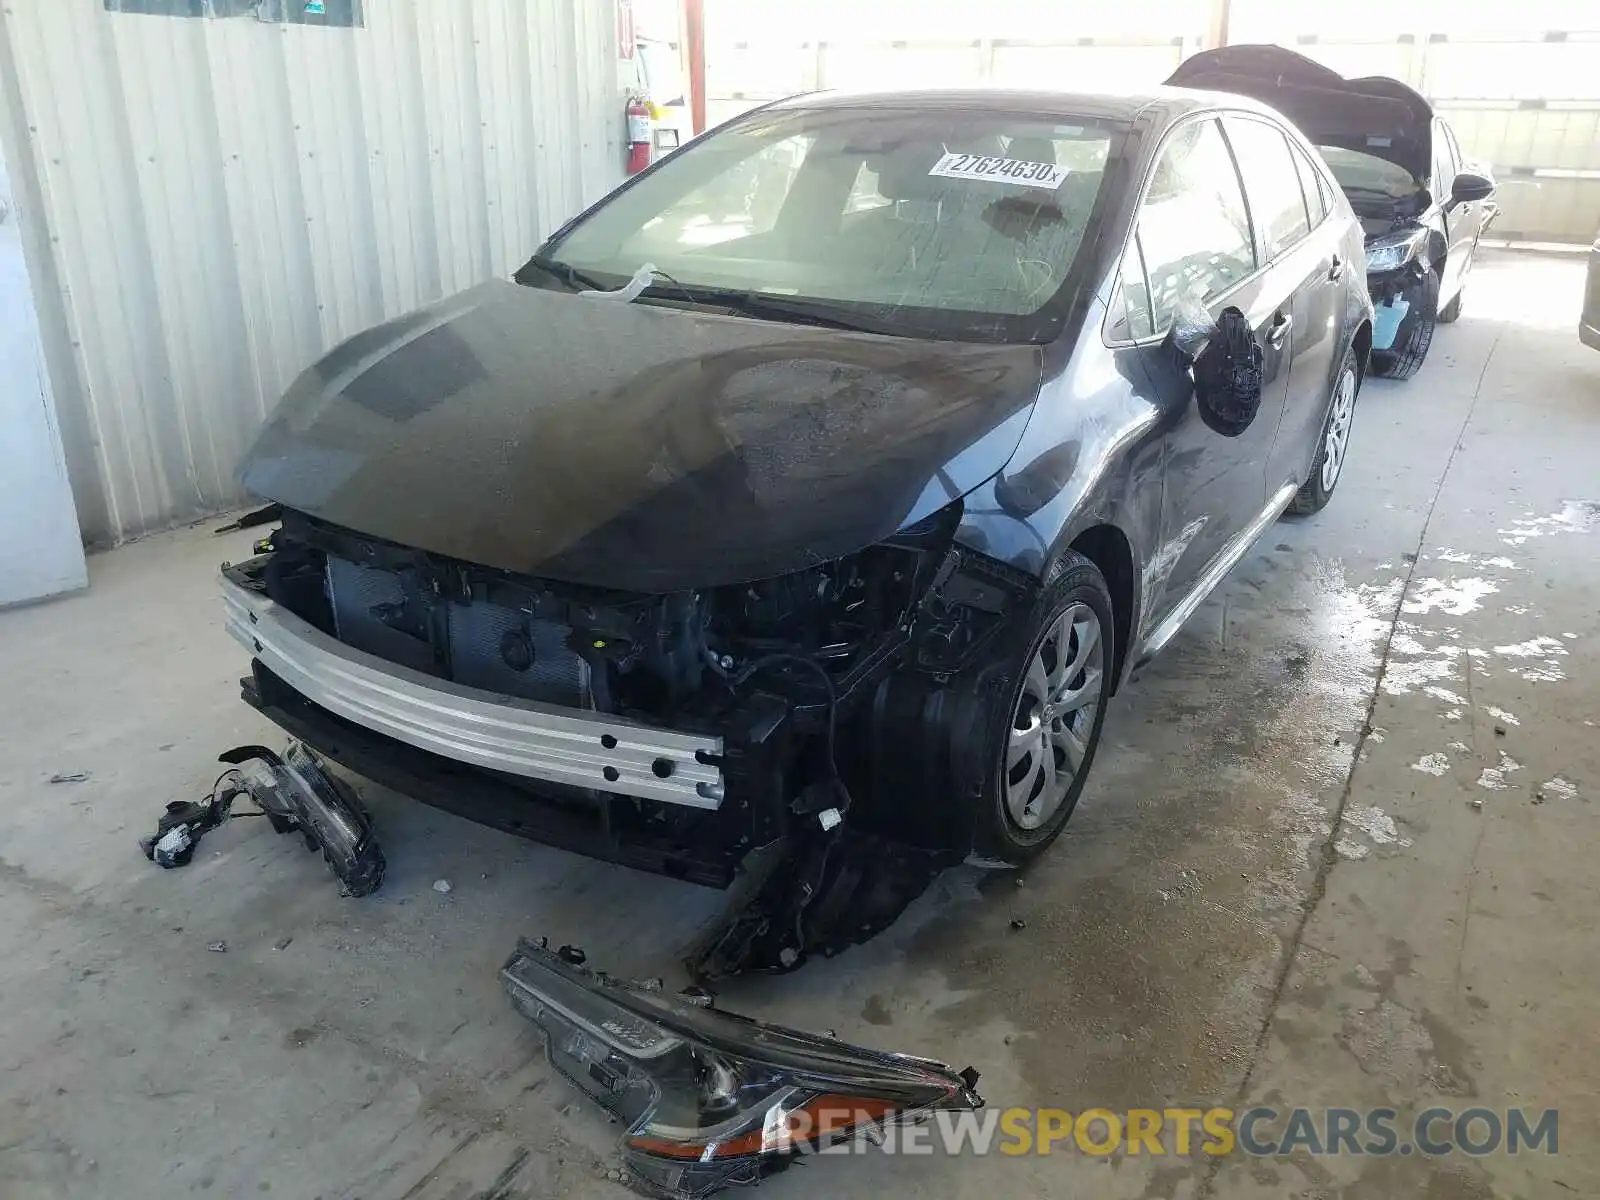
221	200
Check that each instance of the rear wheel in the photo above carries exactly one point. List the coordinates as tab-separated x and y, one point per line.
1402	361
1452	311
1334	444
1044	741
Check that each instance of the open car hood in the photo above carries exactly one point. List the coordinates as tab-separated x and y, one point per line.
1374	114
636	446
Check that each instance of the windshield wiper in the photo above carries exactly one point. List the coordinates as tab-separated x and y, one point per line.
765	306
575	278
564	272
745	303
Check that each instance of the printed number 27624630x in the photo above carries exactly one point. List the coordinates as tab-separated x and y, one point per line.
999	170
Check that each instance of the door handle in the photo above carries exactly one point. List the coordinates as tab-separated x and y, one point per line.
1279	330
1336	271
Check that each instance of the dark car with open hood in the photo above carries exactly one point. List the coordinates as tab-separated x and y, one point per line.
835	471
1422	205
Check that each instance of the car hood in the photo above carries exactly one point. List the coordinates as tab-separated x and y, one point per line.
1376	115
636	446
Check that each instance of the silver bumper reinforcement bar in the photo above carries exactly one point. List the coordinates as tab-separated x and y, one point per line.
502	733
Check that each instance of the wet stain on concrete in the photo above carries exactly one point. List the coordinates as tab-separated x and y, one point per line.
875	1011
1409	1051
1169	1182
1419	1178
1383	979
1265	1173
1388	1041
1451	1057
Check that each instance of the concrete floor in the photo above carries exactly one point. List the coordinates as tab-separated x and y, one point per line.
1202	934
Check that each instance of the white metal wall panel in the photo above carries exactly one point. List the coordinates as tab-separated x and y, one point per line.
1518	67
1075	67
1518	85
758	50
1525	103
782	21
224	200
863	66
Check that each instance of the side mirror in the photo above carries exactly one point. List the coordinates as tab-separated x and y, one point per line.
1227	375
1469	187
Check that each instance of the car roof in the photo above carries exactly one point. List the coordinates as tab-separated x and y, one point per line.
1165	103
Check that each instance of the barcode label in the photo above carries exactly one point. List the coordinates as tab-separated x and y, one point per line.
999	170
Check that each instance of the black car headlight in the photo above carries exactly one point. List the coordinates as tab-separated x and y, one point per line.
1394	250
712	1099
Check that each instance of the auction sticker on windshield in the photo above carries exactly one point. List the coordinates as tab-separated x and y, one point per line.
999	170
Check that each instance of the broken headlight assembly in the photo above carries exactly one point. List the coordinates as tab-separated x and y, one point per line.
297	795
710	1099
1394	250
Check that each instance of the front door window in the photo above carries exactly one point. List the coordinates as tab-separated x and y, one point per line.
1193	227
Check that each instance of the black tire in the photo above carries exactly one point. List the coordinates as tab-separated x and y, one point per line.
1316	491
1452	311
997	837
1402	363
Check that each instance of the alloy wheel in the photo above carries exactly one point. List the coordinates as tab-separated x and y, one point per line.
1054	717
1339	422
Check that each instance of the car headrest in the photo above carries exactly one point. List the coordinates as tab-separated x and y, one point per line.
903	173
1032	150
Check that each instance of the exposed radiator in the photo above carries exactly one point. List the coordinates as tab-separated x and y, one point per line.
478	635
356	593
493	648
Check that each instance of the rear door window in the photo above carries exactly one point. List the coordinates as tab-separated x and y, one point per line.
1193	226
1277	205
1325	190
1444	164
1458	163
1316	198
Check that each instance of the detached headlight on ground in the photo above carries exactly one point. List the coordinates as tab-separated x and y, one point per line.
1395	250
711	1099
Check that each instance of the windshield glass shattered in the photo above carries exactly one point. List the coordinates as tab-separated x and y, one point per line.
961	224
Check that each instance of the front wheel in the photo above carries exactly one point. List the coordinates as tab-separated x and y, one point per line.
1403	360
1052	714
1334	444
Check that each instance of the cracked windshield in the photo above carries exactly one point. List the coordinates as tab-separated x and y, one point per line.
873	210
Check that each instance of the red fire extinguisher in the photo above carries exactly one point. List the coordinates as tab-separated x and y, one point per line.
641	135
